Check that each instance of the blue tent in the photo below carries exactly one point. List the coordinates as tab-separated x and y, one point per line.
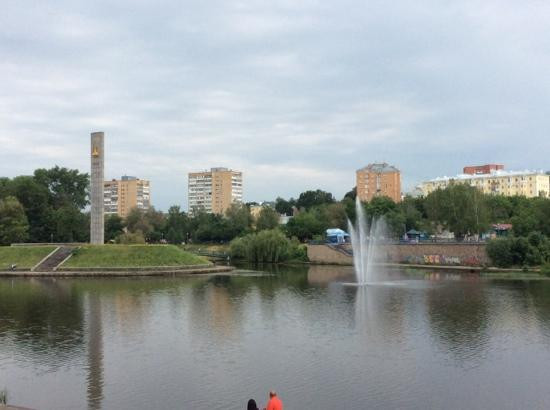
337	236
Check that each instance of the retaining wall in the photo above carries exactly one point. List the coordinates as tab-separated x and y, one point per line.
441	254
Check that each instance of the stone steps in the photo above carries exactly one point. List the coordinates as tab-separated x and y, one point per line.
53	261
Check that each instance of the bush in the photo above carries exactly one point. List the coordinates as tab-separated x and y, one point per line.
298	251
545	269
265	246
500	252
130	238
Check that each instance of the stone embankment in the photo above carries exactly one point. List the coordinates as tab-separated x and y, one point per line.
430	254
113	272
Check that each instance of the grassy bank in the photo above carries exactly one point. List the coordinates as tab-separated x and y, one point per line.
23	256
130	256
207	247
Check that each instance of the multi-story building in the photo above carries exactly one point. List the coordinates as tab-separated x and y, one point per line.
120	196
508	183
214	191
483	169
378	180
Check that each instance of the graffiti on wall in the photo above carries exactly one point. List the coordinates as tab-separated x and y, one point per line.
442	260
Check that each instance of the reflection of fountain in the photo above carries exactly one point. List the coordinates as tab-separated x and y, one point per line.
365	240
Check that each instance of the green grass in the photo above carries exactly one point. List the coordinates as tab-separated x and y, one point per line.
132	256
23	256
207	247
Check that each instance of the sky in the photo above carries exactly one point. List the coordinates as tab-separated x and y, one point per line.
296	94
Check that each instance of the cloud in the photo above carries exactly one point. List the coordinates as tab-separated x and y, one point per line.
297	95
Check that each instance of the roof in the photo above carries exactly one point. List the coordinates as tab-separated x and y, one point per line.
336	231
493	174
502	227
381	168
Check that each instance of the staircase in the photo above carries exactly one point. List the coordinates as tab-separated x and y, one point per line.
53	261
341	249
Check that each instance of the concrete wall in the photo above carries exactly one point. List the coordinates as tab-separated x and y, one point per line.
448	254
96	192
327	255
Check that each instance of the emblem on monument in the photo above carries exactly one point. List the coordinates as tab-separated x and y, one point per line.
95	152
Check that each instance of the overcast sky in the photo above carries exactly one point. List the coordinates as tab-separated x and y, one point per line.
297	94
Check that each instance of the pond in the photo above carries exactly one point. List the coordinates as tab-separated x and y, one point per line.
419	340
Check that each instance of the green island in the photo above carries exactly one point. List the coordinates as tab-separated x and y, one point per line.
129	256
24	257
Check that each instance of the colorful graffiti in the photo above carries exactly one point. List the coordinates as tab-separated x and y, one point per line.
442	260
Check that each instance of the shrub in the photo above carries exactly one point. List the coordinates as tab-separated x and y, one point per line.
519	248
130	238
545	269
298	251
500	252
265	246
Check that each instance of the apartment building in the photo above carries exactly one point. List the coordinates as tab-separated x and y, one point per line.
379	179
214	191
498	182
121	195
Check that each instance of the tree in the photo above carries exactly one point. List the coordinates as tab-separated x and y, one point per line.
352	194
411	212
500	208
269	246
51	199
151	223
335	216
285	207
206	227
239	220
66	187
309	199
268	219
135	221
71	225
5	187
35	200
380	206
177	225
14	226
460	208
306	225
114	226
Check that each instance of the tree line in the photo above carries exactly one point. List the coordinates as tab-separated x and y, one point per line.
51	205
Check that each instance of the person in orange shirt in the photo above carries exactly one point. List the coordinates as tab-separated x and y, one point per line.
274	403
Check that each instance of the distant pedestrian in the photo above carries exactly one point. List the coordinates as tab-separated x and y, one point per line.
252	405
274	402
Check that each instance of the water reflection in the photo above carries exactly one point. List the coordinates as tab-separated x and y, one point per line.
95	353
458	316
124	343
41	318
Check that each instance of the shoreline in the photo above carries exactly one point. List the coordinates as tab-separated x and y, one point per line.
123	272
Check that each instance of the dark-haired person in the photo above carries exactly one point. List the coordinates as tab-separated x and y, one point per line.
252	405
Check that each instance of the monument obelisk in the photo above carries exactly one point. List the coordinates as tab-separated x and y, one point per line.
96	195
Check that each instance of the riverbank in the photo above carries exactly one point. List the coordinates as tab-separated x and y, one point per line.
122	272
23	258
130	256
107	260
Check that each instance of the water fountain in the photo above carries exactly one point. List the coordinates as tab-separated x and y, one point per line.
365	241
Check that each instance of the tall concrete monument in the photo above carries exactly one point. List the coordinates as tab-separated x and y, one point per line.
98	169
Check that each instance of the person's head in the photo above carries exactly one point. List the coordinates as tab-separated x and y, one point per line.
272	394
252	405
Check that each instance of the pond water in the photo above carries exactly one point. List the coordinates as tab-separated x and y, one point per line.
421	340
